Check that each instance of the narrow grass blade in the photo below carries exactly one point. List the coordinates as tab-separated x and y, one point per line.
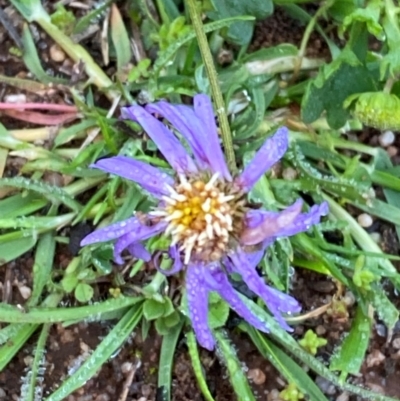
51	192
44	257
29	392
350	356
289	369
20	336
236	374
32	61
120	39
167	360
13	314
196	364
101	354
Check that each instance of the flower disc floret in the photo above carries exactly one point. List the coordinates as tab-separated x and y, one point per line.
202	214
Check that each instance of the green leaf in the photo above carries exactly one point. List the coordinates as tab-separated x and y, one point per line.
51	192
240	33
350	355
334	83
218	311
69	282
44	258
370	16
171	320
83	292
120	39
10	250
153	309
13	314
167	353
236	373
197	366
385	309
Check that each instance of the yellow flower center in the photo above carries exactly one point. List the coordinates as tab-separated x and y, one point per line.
200	218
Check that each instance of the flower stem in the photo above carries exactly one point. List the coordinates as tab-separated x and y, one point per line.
215	89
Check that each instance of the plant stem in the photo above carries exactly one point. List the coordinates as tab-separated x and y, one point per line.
215	89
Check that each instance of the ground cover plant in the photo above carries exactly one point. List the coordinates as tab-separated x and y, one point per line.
193	185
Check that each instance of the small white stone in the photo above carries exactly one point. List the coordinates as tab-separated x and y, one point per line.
25	291
20	98
365	220
376	237
386	138
126	367
396	343
57	54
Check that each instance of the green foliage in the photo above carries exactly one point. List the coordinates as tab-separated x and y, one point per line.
63	19
376	109
334	84
240	33
291	393
311	342
260	91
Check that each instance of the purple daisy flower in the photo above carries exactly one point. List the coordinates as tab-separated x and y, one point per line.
203	210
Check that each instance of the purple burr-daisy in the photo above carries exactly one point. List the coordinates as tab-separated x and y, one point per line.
203	210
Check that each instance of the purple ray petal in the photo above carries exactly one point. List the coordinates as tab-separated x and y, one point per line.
138	251
112	231
270	153
150	178
270	226
197	296
199	129
218	281
276	301
204	110
165	140
142	232
178	116
175	256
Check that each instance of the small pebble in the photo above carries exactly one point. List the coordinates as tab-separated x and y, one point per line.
25	291
392	151
349	298
28	360
396	343
57	54
375	358
326	386
126	367
273	395
343	396
386	138
289	174
257	376
376	237
320	330
365	220
2	393
20	98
